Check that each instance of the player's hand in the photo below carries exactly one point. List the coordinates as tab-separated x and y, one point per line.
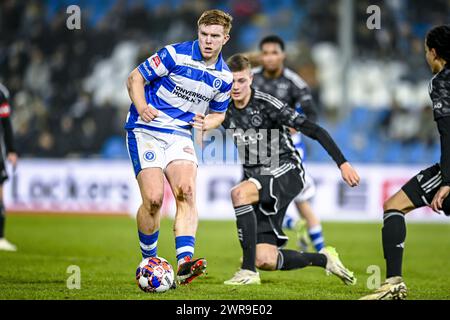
198	122
439	198
148	114
12	158
349	174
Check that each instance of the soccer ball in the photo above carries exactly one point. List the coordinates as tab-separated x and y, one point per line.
155	274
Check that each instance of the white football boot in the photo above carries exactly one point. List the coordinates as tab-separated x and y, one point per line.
5	245
392	289
335	266
244	277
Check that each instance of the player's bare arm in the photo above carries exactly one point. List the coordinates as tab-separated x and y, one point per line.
135	86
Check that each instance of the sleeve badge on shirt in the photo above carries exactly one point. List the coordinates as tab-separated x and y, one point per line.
156	61
5	110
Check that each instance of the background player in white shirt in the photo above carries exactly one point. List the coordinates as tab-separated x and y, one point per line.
171	92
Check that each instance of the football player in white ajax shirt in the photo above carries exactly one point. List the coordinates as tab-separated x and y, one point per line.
171	93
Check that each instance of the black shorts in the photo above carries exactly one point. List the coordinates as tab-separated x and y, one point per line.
422	188
276	192
3	173
269	228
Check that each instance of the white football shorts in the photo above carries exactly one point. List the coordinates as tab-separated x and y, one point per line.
153	149
309	190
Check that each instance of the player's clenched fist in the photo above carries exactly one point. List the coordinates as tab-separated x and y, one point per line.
349	174
148	113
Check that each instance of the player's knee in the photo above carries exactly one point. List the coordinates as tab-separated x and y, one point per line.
184	192
266	262
239	196
152	203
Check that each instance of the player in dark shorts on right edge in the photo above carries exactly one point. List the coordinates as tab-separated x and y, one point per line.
6	148
431	186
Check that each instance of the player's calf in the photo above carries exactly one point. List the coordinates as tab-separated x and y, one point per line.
292	260
394	231
270	258
148	214
148	226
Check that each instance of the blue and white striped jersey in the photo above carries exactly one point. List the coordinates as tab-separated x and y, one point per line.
179	85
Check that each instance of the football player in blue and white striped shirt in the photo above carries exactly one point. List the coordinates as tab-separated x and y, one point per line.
171	93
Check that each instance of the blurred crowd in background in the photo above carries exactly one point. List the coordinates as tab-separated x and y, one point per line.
68	86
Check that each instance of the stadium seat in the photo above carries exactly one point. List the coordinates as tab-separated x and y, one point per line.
392	152
114	148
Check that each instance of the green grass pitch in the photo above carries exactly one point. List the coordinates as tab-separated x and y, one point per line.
107	252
